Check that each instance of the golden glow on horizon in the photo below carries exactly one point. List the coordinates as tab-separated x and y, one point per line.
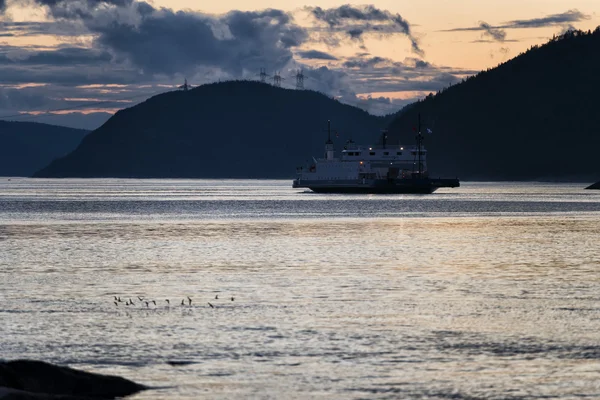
91	99
101	86
80	111
23	85
406	95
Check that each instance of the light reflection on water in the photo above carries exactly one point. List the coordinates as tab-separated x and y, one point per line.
489	290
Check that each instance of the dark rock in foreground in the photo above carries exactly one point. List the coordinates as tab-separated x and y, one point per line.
24	380
594	186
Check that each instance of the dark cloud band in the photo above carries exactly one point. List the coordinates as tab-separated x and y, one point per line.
356	21
498	33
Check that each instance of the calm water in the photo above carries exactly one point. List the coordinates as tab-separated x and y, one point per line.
486	291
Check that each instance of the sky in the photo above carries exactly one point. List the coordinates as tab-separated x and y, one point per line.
74	62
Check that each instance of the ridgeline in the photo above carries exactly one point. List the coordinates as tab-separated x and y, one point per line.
235	129
536	116
25	147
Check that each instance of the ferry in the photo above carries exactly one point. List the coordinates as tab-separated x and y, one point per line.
384	169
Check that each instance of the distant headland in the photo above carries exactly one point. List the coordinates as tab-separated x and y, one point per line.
25	147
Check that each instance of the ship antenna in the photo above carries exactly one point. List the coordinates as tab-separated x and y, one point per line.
329	132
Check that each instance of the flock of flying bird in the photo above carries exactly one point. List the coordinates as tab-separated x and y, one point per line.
147	302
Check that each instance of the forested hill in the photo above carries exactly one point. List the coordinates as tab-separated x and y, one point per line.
236	129
25	147
536	116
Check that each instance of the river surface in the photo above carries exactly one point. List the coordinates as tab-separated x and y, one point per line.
490	290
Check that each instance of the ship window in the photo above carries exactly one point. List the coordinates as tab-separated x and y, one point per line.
399	153
386	153
357	154
372	153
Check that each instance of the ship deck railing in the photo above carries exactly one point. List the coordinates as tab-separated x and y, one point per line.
399	147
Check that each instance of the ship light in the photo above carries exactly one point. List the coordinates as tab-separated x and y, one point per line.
361	163
401	148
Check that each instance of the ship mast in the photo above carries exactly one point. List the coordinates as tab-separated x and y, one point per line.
329	143
419	141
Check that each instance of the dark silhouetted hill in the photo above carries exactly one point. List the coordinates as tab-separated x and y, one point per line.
25	147
536	116
236	129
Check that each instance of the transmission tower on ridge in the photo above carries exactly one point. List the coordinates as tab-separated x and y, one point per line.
277	79
300	80
185	87
263	75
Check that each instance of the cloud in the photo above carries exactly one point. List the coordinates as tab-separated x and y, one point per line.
550	20
503	53
364	62
497	33
356	21
327	80
339	84
131	42
567	28
357	76
27	98
84	107
162	41
422	64
379	74
379	105
55	28
316	55
67	56
73	9
136	36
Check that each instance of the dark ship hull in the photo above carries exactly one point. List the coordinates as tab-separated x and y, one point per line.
377	186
